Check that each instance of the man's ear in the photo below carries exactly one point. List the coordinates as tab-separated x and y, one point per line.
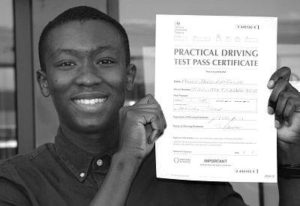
43	83
130	75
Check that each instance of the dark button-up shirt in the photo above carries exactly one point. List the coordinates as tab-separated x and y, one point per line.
62	174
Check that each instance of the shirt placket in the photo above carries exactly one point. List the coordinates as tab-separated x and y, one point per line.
100	167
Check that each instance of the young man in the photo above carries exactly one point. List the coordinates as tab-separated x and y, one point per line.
103	152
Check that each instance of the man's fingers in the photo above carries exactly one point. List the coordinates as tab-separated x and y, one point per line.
148	103
279	87
281	104
288	112
151	110
158	125
158	122
292	89
287	104
150	117
157	131
145	106
282	73
148	112
164	119
148	99
154	126
154	136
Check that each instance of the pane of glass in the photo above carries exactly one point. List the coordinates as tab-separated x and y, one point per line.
8	142
138	18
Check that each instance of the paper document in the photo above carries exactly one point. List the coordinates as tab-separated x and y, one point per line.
211	80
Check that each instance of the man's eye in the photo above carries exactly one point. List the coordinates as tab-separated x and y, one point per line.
66	64
105	61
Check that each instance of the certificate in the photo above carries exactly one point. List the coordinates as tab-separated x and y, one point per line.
211	75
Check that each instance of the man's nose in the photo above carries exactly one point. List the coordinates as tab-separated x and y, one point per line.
88	76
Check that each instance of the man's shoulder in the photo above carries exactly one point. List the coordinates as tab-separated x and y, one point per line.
24	162
20	173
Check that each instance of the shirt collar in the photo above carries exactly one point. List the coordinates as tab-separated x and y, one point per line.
78	161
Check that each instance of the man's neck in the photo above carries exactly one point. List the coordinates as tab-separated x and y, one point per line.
94	143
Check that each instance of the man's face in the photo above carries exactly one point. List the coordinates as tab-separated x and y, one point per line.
86	74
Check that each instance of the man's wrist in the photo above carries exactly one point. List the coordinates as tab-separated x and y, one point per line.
122	158
289	171
288	154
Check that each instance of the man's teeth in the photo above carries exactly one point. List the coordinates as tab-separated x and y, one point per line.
90	101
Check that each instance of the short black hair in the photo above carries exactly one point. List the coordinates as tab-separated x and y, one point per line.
81	13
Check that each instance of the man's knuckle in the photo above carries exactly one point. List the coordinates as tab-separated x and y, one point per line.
151	96
123	110
130	114
290	102
286	115
278	109
283	95
155	117
282	83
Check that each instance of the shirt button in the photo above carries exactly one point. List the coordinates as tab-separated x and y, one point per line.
99	162
82	174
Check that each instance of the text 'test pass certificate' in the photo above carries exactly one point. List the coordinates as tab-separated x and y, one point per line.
211	81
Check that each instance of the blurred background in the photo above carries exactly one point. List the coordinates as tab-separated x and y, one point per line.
28	120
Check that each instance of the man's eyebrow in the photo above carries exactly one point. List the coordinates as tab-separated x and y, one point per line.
76	52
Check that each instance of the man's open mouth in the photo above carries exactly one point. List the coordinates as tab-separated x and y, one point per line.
90	101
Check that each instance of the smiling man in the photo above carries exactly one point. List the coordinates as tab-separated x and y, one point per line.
86	71
103	152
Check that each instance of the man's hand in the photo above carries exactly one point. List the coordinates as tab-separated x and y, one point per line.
284	102
140	125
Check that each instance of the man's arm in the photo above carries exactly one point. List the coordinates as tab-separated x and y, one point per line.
140	126
289	190
289	185
116	185
284	102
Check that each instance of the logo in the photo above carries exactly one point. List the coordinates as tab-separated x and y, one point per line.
179	27
177	23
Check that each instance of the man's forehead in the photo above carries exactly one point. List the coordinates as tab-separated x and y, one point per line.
84	51
95	29
87	36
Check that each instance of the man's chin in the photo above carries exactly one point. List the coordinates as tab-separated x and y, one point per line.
95	126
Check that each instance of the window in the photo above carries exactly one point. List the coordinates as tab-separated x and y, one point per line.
138	18
8	142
